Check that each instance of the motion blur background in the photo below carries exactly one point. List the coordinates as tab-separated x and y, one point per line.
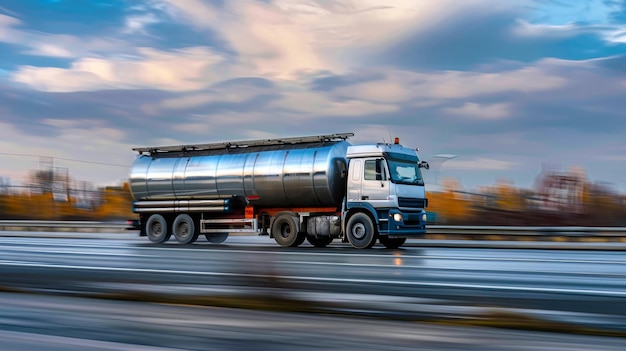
557	198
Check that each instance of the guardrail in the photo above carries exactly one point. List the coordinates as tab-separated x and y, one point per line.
438	232
585	234
62	226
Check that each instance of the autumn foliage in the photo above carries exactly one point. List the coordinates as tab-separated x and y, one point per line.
562	199
558	199
110	203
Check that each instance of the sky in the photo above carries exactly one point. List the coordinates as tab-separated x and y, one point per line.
510	88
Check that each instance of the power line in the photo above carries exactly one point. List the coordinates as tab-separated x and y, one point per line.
66	159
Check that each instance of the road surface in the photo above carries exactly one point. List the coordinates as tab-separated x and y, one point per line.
580	288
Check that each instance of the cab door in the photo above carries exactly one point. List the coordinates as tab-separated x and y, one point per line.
375	184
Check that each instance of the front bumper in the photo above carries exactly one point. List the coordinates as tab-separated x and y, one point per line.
397	222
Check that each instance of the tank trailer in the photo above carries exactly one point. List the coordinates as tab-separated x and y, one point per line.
314	188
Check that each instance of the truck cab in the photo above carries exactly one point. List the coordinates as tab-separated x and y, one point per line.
385	184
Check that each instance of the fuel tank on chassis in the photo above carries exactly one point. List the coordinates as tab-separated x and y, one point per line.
299	175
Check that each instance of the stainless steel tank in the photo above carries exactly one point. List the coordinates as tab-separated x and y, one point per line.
298	175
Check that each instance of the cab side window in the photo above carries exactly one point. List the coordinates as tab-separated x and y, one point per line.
373	170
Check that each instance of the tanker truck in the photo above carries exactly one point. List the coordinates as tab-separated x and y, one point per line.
314	188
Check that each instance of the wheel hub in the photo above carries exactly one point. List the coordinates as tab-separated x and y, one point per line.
183	230
285	231
156	228
358	231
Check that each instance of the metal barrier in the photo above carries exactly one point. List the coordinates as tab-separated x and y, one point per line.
62	226
439	232
584	234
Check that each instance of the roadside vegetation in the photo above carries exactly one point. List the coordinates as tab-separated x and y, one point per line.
557	199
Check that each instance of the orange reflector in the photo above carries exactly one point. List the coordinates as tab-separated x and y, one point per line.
249	212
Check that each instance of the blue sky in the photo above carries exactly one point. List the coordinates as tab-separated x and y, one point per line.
511	87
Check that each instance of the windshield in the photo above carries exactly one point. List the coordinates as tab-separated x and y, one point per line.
405	172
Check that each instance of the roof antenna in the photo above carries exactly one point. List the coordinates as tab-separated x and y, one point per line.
390	138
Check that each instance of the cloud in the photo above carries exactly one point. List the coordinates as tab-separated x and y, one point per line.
36	43
459	84
138	23
617	35
199	13
424	88
305	105
177	70
215	124
586	12
8	21
271	43
611	33
229	92
282	38
7	31
481	111
385	91
472	37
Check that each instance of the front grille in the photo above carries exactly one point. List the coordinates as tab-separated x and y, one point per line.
412	202
412	219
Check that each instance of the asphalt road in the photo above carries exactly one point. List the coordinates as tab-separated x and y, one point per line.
584	288
57	323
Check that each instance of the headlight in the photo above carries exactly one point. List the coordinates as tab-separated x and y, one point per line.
397	217
424	217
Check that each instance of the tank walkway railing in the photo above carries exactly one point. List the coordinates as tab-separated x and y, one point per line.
438	232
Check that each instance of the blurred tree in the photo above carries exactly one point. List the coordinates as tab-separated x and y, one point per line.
117	203
601	205
508	197
450	205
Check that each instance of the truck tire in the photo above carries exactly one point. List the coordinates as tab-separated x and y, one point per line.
285	230
391	243
319	241
156	229
216	238
184	229
361	232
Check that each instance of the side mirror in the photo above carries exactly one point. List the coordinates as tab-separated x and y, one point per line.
424	165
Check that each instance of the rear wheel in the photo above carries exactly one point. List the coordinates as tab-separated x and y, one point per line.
361	232
216	238
391	243
156	229
184	229
319	241
285	231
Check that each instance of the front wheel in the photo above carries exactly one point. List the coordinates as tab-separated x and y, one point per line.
391	243
361	232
